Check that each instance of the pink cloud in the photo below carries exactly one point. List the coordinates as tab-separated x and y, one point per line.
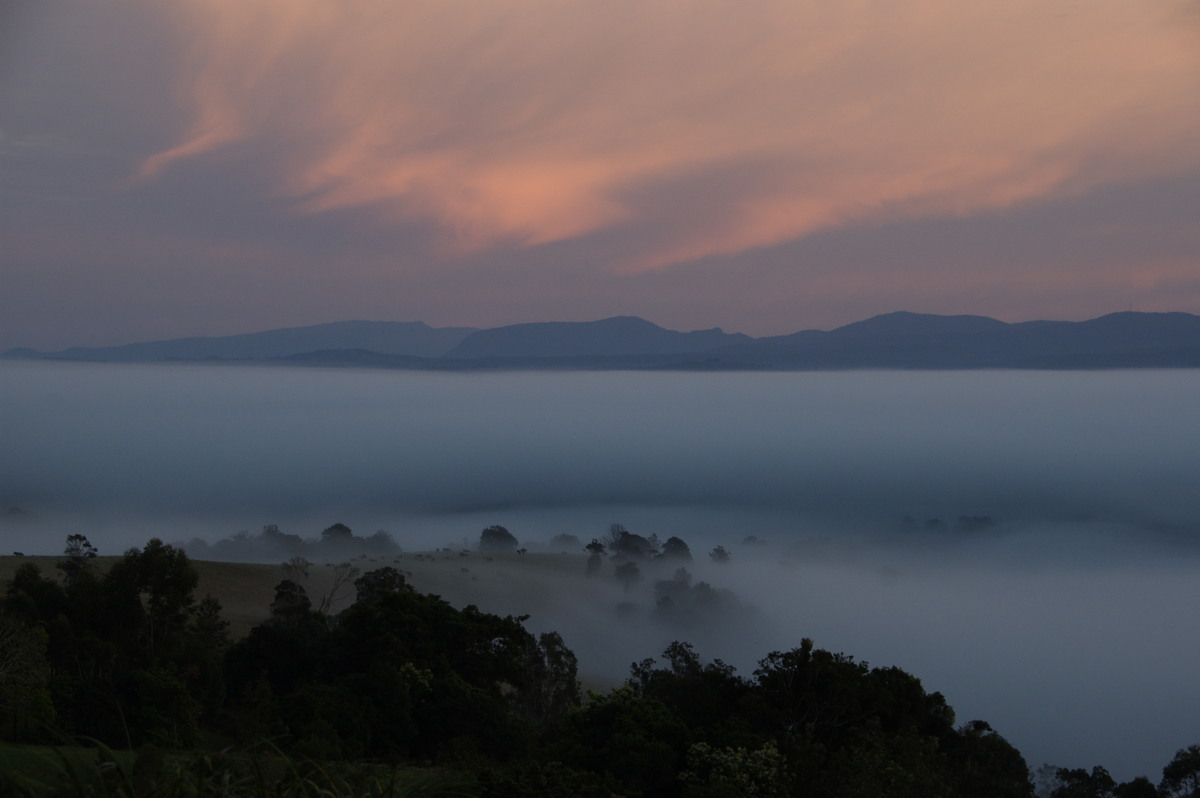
526	122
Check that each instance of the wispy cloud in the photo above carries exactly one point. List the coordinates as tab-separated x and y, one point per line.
526	122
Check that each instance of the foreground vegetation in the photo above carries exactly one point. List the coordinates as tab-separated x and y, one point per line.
318	701
71	770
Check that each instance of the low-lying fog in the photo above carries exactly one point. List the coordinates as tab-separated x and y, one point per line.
1061	608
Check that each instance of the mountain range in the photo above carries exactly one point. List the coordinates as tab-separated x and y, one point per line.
899	340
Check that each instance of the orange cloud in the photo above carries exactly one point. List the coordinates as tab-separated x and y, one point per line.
527	121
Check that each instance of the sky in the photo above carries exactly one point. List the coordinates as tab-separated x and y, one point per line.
213	167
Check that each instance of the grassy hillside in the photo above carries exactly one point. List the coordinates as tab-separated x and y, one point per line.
500	583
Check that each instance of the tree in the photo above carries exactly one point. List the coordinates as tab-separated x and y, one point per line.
635	740
79	552
551	683
630	545
25	701
720	772
272	535
497	538
373	584
338	531
676	588
613	532
295	569
719	554
208	628
595	551
291	602
79	547
381	542
343	574
1181	778
676	549
34	597
208	641
136	661
990	766
161	580
709	698
1079	783
407	673
1140	787
628	574
337	540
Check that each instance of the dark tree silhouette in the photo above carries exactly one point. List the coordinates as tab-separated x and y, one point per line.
161	579
343	579
613	532
551	681
1181	778
291	602
1140	787
79	552
628	544
595	551
338	531
1079	783
373	584
676	549
497	538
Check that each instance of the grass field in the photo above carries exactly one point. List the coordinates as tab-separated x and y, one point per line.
500	583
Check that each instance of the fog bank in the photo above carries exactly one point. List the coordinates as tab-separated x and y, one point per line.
1044	580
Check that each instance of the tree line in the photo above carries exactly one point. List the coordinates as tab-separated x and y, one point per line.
130	656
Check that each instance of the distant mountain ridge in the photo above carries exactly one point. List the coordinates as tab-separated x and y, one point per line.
385	337
899	340
914	340
618	336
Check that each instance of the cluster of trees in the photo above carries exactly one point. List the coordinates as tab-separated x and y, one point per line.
627	550
129	656
497	538
807	722
124	655
396	675
691	606
677	601
1180	779
335	542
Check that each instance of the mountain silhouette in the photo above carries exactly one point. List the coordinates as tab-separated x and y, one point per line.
900	340
621	335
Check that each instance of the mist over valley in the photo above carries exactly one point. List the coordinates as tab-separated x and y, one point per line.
1024	542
